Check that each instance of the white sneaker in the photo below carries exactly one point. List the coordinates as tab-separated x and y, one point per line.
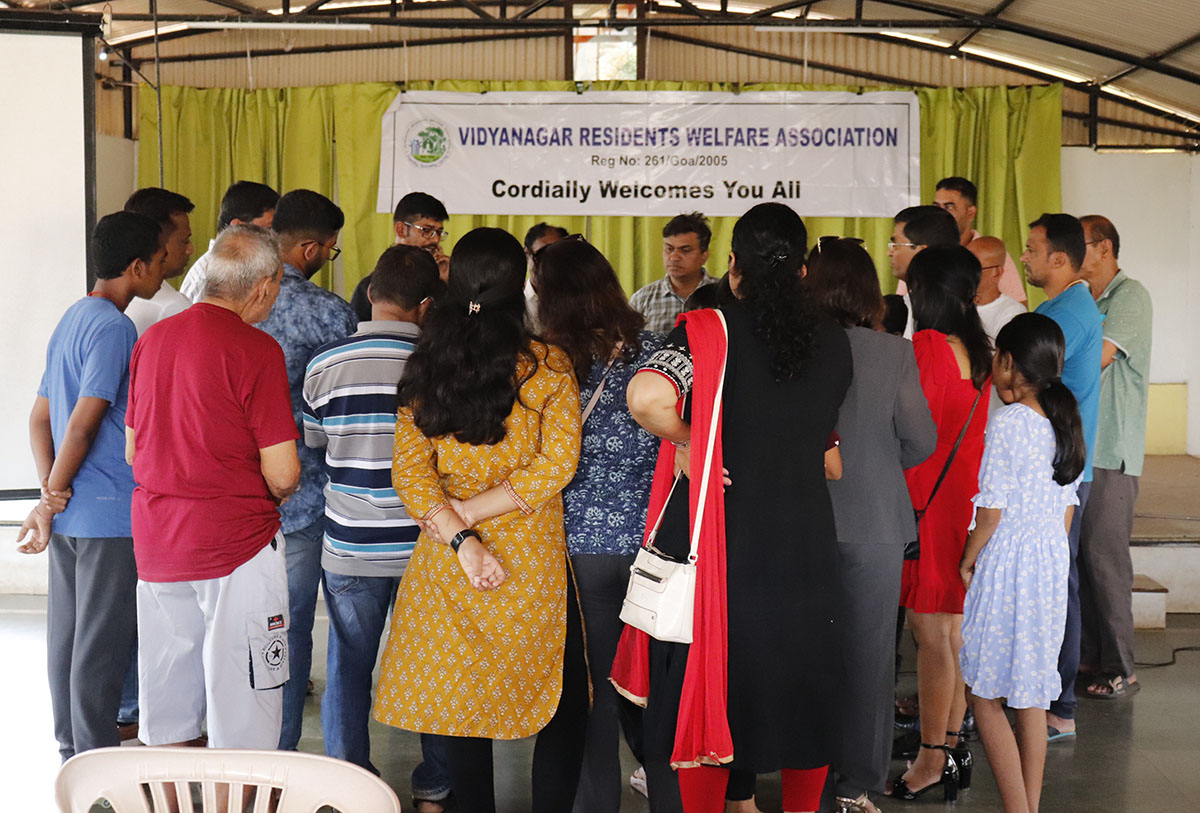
638	781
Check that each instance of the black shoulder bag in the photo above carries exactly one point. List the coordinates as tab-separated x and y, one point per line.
912	550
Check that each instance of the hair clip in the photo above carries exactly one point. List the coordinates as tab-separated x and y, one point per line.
778	258
472	308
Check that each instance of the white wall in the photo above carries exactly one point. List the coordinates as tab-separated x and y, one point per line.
1154	201
116	173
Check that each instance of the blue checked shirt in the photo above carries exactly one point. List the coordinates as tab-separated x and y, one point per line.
304	318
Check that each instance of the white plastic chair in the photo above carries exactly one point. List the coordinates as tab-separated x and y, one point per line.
307	782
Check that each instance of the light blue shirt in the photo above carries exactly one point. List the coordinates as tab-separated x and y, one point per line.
88	357
1082	325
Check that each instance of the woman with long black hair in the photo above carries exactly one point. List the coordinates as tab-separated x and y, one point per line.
755	689
582	309
954	358
486	642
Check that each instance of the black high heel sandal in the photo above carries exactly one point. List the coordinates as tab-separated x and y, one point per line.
962	756
949	779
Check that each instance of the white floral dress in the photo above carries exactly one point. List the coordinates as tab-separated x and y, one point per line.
1015	610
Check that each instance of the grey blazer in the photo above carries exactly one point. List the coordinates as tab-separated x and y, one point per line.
885	427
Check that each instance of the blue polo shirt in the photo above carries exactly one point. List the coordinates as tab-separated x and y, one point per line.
88	357
1082	325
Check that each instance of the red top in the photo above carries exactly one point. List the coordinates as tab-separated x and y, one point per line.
206	392
932	584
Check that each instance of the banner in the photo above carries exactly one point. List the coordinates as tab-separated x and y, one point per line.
653	153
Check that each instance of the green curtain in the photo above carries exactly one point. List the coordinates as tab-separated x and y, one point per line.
1007	140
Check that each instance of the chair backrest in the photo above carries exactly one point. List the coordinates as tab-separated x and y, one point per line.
133	779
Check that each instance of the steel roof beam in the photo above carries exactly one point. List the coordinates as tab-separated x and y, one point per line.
1062	40
794	4
996	12
1159	57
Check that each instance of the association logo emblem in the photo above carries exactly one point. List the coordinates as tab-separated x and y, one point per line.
427	143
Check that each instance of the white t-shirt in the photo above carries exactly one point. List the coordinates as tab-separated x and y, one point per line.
167	302
197	276
997	313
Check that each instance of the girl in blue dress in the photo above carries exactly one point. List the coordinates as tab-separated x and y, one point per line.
1016	560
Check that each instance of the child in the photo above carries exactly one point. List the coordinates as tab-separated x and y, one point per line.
1016	560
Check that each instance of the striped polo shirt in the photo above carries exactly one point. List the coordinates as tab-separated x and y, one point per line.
350	409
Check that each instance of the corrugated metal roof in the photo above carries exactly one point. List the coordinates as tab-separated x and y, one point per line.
1085	40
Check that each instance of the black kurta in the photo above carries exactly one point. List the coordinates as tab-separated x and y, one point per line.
781	552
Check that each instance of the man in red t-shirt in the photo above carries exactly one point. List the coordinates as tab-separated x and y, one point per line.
210	434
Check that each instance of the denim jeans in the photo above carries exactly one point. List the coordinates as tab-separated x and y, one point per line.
303	550
128	713
358	609
1068	656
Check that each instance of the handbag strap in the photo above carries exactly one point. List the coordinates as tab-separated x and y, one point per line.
962	433
706	477
595	399
708	454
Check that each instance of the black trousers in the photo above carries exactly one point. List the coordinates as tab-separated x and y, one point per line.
558	754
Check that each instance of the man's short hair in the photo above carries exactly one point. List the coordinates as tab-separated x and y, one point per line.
540	230
418	204
405	276
159	204
121	238
303	214
242	255
928	226
690	223
245	201
1100	227
1064	233
962	186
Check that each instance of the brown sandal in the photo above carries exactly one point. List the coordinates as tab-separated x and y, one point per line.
1111	688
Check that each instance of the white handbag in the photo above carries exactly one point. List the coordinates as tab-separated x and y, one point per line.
661	595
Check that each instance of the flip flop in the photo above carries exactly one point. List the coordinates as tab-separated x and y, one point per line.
1054	735
1118	686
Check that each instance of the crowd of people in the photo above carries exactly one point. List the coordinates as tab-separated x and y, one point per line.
476	446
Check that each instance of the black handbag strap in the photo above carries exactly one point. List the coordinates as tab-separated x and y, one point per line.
953	452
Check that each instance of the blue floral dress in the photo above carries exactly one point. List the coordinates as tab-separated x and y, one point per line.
1015	610
606	502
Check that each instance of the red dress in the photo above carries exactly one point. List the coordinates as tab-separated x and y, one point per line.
931	584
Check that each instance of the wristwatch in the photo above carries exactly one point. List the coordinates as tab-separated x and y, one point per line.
463	536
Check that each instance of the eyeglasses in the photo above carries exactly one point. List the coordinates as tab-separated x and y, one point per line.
894	246
334	252
427	231
1094	242
570	238
833	238
989	267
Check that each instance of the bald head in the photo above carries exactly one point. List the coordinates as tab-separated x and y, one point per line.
991	253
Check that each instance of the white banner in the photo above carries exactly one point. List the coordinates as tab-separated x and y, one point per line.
653	153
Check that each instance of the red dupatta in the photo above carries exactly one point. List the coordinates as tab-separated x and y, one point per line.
702	733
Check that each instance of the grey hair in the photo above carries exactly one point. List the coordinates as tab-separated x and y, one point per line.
242	255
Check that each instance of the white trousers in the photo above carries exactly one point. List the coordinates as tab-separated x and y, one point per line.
215	648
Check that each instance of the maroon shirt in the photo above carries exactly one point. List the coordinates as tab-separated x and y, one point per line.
206	392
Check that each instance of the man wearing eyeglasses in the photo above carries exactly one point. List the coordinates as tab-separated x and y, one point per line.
304	318
419	220
995	307
916	228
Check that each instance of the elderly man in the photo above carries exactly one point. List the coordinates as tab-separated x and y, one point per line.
1105	567
1053	257
212	441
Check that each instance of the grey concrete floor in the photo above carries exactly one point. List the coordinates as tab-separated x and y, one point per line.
1141	754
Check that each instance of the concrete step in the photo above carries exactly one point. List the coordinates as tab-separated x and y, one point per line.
1149	603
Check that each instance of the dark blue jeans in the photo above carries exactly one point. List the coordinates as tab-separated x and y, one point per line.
358	610
1068	656
303	550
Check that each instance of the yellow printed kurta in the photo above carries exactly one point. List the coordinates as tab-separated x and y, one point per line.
471	663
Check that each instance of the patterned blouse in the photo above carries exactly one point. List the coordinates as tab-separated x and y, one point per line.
606	502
